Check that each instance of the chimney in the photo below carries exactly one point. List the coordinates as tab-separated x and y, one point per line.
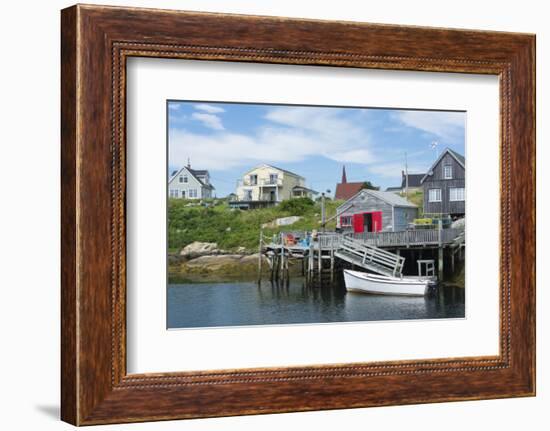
344	178
188	162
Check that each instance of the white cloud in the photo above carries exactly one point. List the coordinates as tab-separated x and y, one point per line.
209	108
356	156
446	125
208	120
393	170
289	135
173	106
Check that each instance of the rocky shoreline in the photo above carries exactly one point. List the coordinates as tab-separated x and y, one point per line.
200	261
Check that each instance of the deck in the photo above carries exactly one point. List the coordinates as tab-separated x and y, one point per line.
374	251
409	238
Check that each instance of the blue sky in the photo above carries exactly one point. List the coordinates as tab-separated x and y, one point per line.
230	138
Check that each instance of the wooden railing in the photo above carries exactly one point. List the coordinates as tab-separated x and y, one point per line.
374	257
333	240
330	240
408	238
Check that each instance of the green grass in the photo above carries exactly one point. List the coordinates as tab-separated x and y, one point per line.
233	228
416	198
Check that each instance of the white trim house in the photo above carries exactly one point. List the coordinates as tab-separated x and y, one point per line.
190	183
267	185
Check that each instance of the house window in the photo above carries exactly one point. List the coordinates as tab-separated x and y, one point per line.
345	221
253	180
456	194
183	178
248	195
434	195
448	172
273	178
173	193
192	193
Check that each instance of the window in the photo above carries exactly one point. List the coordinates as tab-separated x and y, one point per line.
253	180
192	193
434	195
248	195
183	178
345	221
456	194
174	193
273	178
448	172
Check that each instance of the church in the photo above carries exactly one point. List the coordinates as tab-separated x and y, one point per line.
345	190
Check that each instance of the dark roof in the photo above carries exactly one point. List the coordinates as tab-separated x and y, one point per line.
414	180
394	189
344	191
306	189
458	157
196	174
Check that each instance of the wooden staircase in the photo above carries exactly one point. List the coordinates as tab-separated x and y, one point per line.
370	257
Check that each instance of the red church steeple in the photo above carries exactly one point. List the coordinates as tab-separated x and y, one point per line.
344	178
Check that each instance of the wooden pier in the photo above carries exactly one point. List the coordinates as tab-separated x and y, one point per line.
327	252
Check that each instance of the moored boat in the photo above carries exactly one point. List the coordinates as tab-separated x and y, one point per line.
385	285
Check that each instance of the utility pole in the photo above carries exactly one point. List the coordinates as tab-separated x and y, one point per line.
406	178
323	211
323	215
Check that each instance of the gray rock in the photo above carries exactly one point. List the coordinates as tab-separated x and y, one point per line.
198	249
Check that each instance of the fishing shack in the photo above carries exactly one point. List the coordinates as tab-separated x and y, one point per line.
375	211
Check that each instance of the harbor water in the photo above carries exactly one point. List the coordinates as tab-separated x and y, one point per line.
246	303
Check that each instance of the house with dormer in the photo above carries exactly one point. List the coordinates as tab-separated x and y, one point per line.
444	185
188	183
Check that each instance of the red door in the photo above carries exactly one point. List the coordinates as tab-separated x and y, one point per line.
358	226
377	221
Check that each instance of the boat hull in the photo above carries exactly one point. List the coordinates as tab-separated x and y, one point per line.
382	285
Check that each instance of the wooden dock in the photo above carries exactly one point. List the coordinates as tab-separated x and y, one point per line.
368	250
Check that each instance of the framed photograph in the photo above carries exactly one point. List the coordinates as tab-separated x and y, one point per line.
264	215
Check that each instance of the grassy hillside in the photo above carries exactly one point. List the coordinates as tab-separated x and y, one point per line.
233	228
416	198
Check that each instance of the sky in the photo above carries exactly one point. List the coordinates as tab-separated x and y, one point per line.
229	139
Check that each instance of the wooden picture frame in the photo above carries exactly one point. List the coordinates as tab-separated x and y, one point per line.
95	43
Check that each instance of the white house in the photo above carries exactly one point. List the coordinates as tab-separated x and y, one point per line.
190	183
267	185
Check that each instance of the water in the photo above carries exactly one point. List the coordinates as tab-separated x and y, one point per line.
246	303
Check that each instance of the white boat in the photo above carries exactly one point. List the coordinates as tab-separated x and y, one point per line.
385	285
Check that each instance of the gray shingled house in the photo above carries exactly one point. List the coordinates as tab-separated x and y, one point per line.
444	185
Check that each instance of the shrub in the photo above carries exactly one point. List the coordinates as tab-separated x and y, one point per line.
297	206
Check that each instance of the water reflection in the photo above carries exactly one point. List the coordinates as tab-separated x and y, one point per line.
247	303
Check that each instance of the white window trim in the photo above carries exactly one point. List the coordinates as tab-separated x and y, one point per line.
456	199
346	217
430	196
450	177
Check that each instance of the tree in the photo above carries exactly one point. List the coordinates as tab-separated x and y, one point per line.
369	186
